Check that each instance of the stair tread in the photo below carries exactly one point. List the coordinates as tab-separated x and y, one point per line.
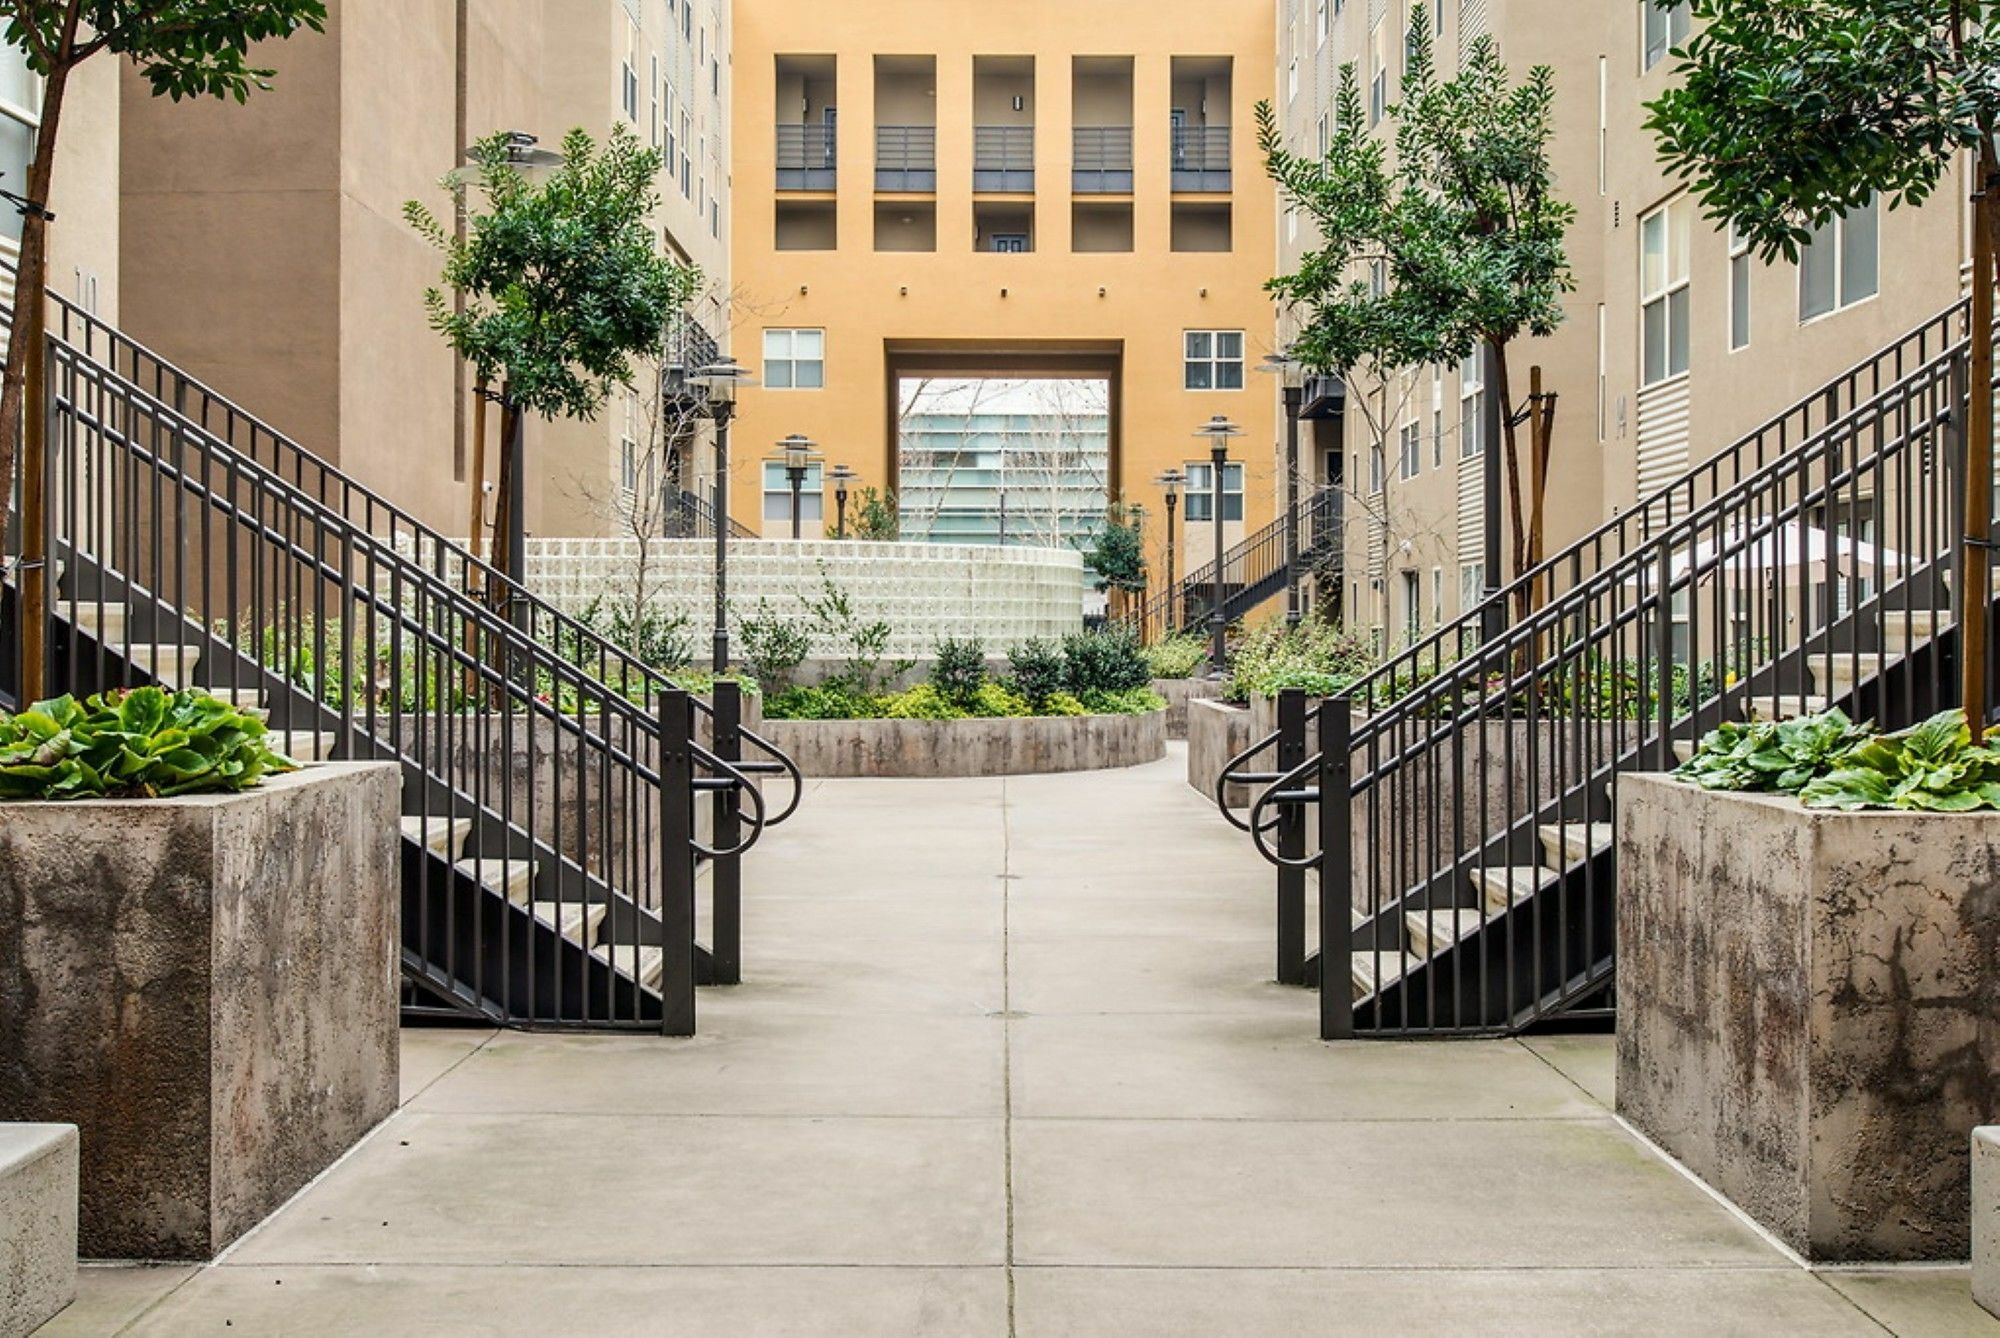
1433	930
510	877
1516	883
1373	970
574	920
1578	839
444	837
650	960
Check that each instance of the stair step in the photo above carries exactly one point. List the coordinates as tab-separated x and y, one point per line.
1921	626
443	837
1374	970
1515	884
651	959
170	666
1787	707
303	745
509	877
1433	931
1838	677
104	622
576	921
1568	843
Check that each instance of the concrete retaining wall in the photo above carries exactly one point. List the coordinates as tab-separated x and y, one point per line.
1217	731
1014	746
1178	692
37	1224
207	988
1807	1009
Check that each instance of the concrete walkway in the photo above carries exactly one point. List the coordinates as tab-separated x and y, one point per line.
1008	1064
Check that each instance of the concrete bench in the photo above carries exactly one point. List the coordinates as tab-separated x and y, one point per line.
1986	1216
38	1189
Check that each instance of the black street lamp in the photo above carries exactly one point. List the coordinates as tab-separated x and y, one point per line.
1171	482
796	453
720	380
841	476
1287	367
1218	430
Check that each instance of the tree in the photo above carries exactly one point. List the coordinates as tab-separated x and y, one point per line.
1788	113
184	49
564	286
1117	554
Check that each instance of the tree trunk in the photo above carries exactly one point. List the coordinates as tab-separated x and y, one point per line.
1977	484
1510	440
504	519
476	517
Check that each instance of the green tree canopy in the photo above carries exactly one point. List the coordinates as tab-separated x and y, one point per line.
183	48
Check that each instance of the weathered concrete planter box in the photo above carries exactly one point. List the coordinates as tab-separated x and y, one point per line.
37	1224
1809	1009
1178	692
1217	731
1014	746
206	987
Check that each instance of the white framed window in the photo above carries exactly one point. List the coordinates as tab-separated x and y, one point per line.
1471	589
1378	468
628	448
1200	492
20	119
1212	359
628	80
778	494
1413	608
1410	449
1378	278
1841	265
1325	134
1322	19
1437	418
1472	404
1739	289
1378	97
794	359
1665	27
653	91
1663	291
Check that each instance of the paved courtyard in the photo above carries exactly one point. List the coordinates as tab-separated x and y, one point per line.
1008	1063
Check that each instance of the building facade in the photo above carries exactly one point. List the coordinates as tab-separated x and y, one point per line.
931	190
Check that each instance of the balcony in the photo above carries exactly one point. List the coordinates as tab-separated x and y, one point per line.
1201	157
806	157
1101	160
1003	158
906	157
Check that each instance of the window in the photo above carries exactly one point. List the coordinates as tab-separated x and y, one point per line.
1378	97
1471	586
1200	491
1437	596
778	494
1739	290
628	78
1377	469
1840	265
628	448
1378	278
687	162
1212	359
1663	291
20	101
653	90
1666	27
667	125
794	359
1413	608
1321	20
1410	442
1472	404
1437	418
1325	135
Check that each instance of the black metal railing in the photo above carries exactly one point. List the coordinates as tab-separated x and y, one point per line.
1003	158
906	157
687	349
552	846
1465	790
692	516
807	157
1253	570
1101	160
1200	156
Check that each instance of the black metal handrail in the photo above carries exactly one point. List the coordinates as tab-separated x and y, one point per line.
692	516
1252	569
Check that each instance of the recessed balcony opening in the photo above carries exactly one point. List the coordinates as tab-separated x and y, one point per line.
806	225
806	117
1100	227
1003	123
907	225
906	123
1201	227
1200	123
1101	113
1003	227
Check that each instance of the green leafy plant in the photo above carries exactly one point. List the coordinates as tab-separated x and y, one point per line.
1321	657
1772	755
1039	671
773	647
1106	660
960	669
1117	552
1830	762
875	516
863	643
145	743
656	638
1122	701
1177	656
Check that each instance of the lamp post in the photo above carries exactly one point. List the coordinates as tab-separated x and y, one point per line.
842	476
796	454
720	380
1170	482
1218	430
1285	366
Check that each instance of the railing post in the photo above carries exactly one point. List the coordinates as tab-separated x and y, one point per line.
1336	871
676	863
1291	843
727	888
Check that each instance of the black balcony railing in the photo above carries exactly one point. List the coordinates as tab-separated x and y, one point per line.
807	157
1101	160
906	157
1003	158
1201	157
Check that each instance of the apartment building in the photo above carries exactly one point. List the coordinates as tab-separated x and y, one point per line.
268	253
1676	342
83	245
959	190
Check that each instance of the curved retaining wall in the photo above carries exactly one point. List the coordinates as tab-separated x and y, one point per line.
1014	746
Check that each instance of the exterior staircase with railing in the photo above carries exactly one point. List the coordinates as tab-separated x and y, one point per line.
1253	571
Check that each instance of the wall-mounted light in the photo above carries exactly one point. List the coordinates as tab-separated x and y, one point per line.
904	291
802	291
1100	292
1003	292
1204	292
1018	103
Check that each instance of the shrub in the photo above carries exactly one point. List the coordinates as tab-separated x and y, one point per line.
1322	657
1177	656
1117	553
875	516
773	647
862	644
960	670
145	743
657	639
1062	703
1105	660
1040	671
1830	762
820	703
1126	701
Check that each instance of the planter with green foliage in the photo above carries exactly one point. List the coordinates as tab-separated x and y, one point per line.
146	743
1807	986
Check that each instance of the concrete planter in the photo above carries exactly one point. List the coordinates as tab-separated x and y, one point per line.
1217	731
37	1224
206	987
1809	1009
1178	692
1014	746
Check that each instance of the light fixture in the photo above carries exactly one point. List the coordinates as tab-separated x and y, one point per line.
797	450
904	291
1003	292
1018	103
1204	292
802	291
1100	292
